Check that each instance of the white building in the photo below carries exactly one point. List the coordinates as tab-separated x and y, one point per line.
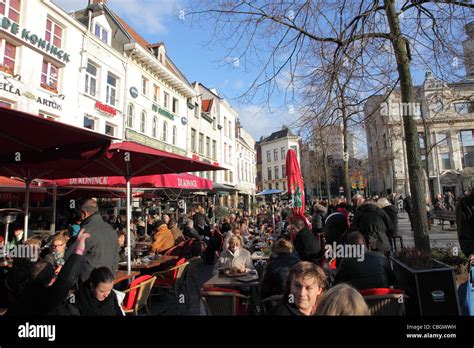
273	150
39	57
246	166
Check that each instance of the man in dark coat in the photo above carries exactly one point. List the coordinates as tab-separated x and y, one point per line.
374	224
373	271
465	225
306	244
407	207
102	247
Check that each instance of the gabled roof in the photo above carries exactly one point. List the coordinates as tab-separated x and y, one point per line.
207	105
278	135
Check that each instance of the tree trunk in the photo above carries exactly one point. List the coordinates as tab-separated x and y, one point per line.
326	176
345	170
417	183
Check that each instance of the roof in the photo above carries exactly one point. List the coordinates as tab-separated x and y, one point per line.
207	105
278	135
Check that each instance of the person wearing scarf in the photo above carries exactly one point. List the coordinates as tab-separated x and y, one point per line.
96	296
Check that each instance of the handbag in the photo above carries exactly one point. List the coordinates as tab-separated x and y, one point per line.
466	293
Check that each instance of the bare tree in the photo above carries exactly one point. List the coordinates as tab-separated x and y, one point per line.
279	35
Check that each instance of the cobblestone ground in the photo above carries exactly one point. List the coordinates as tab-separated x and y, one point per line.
439	238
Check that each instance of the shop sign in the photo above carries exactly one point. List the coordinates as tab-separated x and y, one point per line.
34	39
134	92
50	103
10	88
105	109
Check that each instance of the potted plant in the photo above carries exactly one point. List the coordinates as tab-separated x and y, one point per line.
429	283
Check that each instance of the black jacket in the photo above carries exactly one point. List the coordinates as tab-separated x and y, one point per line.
336	226
392	213
286	309
373	272
373	222
276	274
307	246
38	299
465	224
102	247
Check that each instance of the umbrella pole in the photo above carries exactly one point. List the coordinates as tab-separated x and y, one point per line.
129	256
27	209
53	221
5	244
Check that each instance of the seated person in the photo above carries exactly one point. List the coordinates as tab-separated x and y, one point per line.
96	297
56	255
189	231
342	299
373	271
235	257
278	268
162	239
306	283
122	239
177	234
235	232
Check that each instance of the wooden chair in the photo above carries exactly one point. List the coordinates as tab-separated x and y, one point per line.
227	302
385	301
138	295
171	279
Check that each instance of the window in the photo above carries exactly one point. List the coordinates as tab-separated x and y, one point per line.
464	107
276	172
275	155
269	173
445	161
12	8
164	135
49	76
166	100
91	79
175	106
130	115
283	170
269	186
230	129
442	139
467	147
196	110
295	149
208	147
156	94
230	154
225	153
201	143
231	176
54	33
269	156
225	126
154	127
143	122
421	138
276	186
5	104
226	176
284	185
109	129
89	122
9	57
283	153
144	86
193	140
214	149
48	116
111	89
175	135
101	33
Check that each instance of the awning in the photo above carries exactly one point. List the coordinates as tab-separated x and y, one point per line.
223	188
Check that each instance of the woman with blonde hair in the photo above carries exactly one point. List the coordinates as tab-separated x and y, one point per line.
342	300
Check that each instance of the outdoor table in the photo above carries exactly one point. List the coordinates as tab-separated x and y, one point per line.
144	266
120	276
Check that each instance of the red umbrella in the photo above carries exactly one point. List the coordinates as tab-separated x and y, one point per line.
179	181
295	184
34	147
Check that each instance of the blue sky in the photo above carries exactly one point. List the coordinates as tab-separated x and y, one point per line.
161	20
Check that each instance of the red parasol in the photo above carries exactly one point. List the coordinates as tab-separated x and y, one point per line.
295	184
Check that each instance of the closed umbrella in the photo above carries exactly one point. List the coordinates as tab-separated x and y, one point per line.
295	186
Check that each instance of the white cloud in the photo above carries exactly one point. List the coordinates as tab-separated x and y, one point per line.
146	16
